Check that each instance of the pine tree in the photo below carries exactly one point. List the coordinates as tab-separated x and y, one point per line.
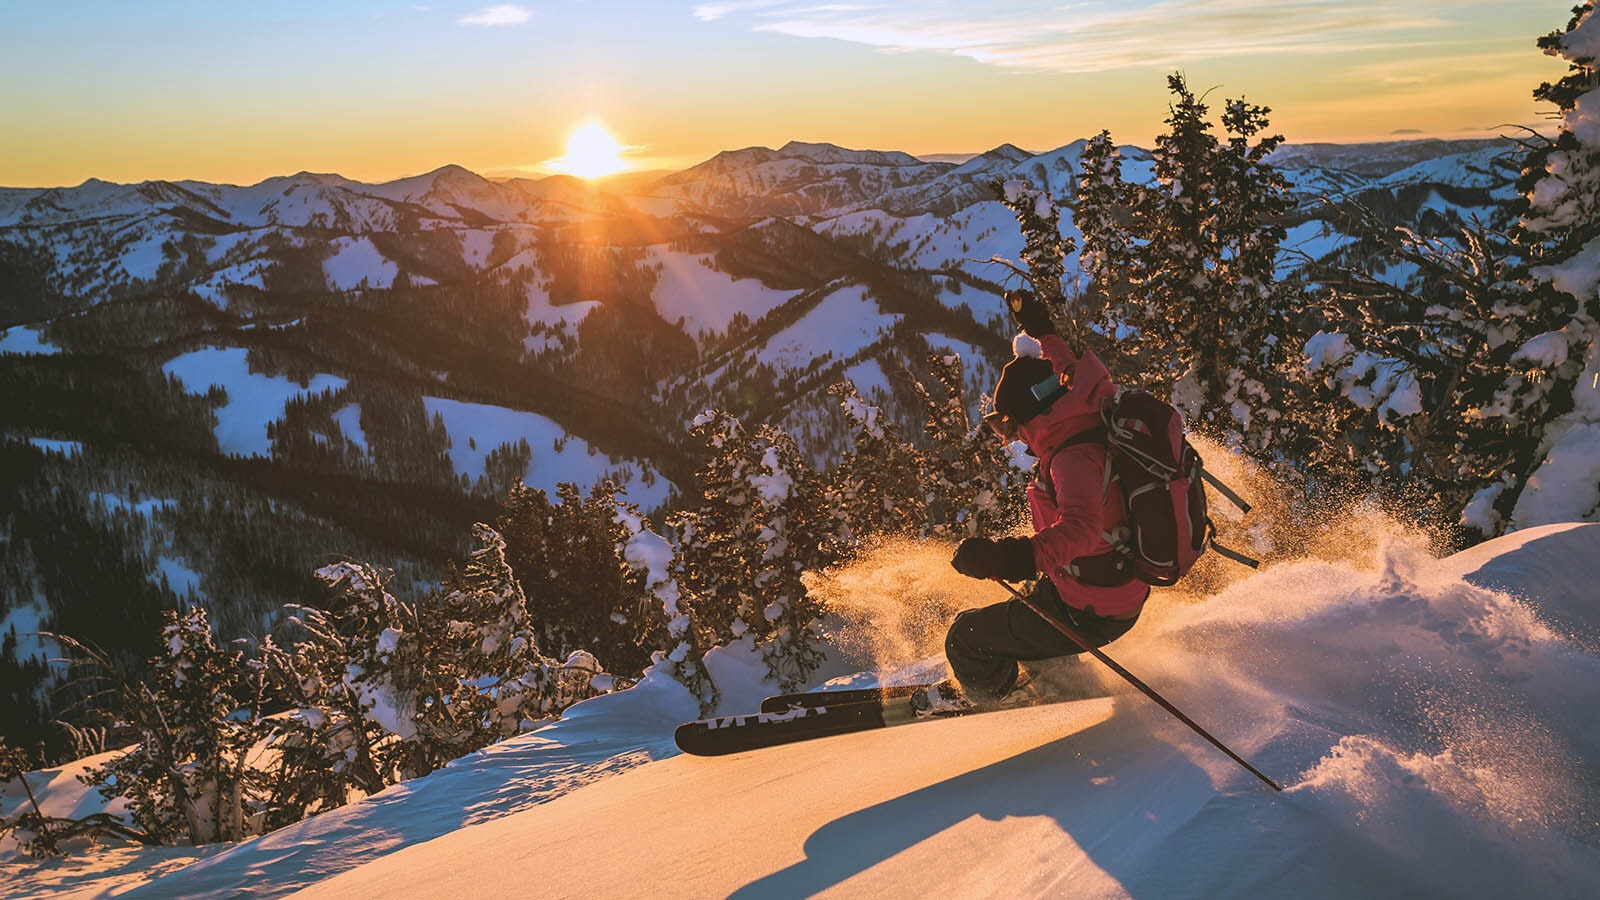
791	542
1184	266
581	595
482	662
189	771
741	552
1044	250
971	486
325	746
1205	315
1103	215
1461	380
1558	232
335	673
876	487
489	649
441	678
649	558
1403	377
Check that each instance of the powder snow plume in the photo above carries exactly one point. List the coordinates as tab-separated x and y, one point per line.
892	603
1449	708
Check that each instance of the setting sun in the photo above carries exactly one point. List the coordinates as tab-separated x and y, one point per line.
591	153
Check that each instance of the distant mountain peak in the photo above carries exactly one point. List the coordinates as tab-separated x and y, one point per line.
318	177
834	154
1004	155
454	172
801	148
1009	151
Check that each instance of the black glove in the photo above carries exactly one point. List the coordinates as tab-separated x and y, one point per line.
1007	558
1029	313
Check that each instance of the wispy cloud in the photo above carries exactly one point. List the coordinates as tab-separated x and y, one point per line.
503	14
711	12
1404	72
1098	34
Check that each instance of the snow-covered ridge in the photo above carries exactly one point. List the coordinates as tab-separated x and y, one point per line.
447	194
1375	160
100	239
452	193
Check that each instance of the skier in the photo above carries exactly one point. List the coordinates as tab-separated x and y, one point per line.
1053	405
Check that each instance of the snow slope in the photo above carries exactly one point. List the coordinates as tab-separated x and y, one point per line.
1432	721
478	428
254	398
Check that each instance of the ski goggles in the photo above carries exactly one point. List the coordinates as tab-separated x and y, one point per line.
1003	425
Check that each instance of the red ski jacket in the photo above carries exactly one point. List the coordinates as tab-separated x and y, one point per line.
1072	523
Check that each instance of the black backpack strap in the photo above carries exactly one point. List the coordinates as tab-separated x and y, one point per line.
1224	490
1235	555
1095	435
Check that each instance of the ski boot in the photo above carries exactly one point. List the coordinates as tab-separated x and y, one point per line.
942	699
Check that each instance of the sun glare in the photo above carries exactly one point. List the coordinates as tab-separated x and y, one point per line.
591	153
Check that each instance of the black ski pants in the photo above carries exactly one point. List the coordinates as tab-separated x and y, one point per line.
984	644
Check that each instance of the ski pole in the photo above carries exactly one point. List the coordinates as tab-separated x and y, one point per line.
1146	689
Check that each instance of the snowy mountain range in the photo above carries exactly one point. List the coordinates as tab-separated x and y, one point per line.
100	240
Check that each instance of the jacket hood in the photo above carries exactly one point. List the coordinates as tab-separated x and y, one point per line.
1075	412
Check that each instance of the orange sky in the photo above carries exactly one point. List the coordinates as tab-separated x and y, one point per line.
373	90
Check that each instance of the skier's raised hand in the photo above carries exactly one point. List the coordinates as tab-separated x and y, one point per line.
1029	313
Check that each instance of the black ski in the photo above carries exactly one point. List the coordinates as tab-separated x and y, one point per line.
1059	690
783	702
721	735
804	716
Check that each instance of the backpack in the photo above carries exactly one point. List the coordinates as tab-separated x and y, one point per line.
1163	489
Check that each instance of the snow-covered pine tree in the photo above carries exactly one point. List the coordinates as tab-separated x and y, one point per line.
791	542
189	772
346	714
1185	265
711	566
479	645
1044	250
492	650
1559	235
971	485
323	744
876	487
1482	366
581	594
741	552
1404	377
1103	214
1204	311
648	559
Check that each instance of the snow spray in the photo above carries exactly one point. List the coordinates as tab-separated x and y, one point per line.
890	606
